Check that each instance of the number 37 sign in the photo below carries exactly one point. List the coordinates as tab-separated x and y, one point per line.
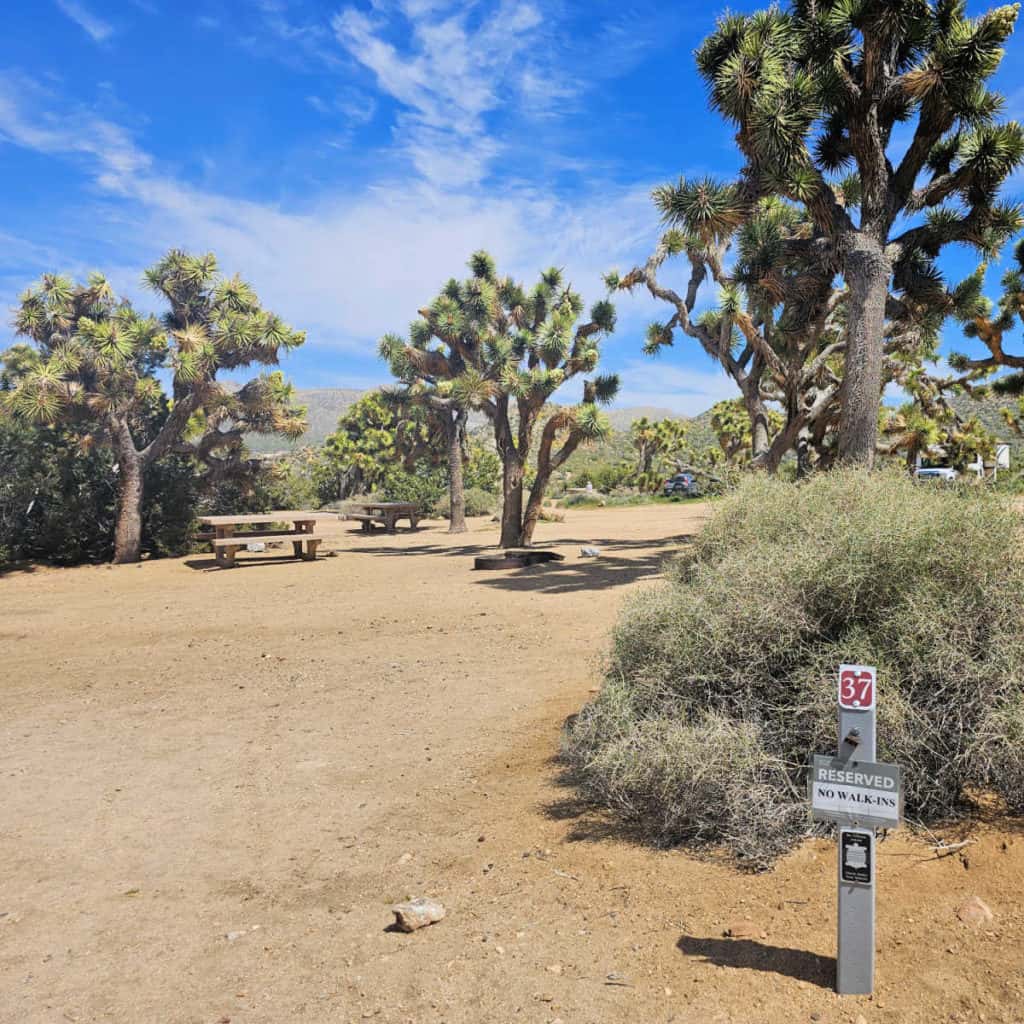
856	687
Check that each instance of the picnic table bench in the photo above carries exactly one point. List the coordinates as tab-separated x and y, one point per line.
226	542
372	514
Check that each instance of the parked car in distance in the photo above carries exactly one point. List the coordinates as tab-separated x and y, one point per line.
944	473
682	485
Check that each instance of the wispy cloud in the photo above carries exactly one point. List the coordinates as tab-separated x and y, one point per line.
451	75
347	265
27	120
94	26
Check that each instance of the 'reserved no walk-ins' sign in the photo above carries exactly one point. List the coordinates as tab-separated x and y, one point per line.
852	792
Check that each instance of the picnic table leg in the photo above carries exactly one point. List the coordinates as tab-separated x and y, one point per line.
311	546
302	526
229	556
221	554
413	521
391	522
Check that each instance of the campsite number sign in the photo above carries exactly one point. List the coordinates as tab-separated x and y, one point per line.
856	687
859	795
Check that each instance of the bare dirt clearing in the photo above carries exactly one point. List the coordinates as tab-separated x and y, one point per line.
215	784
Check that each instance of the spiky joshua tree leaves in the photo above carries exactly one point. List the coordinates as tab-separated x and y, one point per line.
819	89
989	323
95	364
488	343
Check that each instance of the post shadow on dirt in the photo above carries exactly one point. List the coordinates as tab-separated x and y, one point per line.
207	563
751	955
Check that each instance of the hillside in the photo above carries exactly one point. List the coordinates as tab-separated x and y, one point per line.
987	411
324	406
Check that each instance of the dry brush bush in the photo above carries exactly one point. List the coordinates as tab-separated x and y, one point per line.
721	682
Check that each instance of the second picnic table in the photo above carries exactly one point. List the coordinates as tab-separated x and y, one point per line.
384	513
226	541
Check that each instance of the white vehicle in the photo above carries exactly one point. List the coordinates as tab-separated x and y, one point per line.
937	473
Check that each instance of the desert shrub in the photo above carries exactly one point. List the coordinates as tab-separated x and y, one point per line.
721	681
423	487
607	476
478	503
587	499
57	500
483	468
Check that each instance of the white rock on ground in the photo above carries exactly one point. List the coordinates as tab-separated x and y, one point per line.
417	913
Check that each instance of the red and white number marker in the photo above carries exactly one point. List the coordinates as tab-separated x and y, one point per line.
856	687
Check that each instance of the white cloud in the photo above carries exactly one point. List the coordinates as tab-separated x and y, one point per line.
25	121
451	76
349	266
97	29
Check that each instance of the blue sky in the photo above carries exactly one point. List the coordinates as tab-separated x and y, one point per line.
347	157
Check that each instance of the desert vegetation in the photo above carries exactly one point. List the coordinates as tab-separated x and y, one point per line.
721	681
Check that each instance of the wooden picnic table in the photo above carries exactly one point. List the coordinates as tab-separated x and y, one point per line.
384	513
226	541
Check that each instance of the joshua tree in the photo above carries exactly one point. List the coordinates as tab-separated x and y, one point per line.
374	437
824	86
656	443
93	363
429	378
506	351
774	329
989	325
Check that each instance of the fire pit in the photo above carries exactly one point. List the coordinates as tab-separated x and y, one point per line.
516	559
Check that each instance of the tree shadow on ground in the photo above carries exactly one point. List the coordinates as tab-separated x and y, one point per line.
747	954
586	574
23	567
614	568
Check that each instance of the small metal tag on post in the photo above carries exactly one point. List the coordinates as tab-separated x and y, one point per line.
855	961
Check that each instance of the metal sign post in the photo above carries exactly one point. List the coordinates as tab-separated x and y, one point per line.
855	959
859	795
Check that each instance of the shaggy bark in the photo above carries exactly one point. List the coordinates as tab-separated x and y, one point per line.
867	272
128	529
513	471
456	493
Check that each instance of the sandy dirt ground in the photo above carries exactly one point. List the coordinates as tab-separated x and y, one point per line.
215	784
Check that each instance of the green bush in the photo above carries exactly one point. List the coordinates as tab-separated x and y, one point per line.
721	683
424	487
483	469
478	503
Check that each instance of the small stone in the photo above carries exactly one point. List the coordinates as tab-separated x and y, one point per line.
815	1016
417	913
745	930
231	936
500	950
481	839
590	552
668	991
861	1019
555	968
405	858
974	911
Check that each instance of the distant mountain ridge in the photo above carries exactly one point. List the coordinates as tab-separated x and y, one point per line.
325	406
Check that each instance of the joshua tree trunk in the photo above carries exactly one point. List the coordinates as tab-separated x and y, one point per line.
533	506
128	532
867	273
512	507
456	494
